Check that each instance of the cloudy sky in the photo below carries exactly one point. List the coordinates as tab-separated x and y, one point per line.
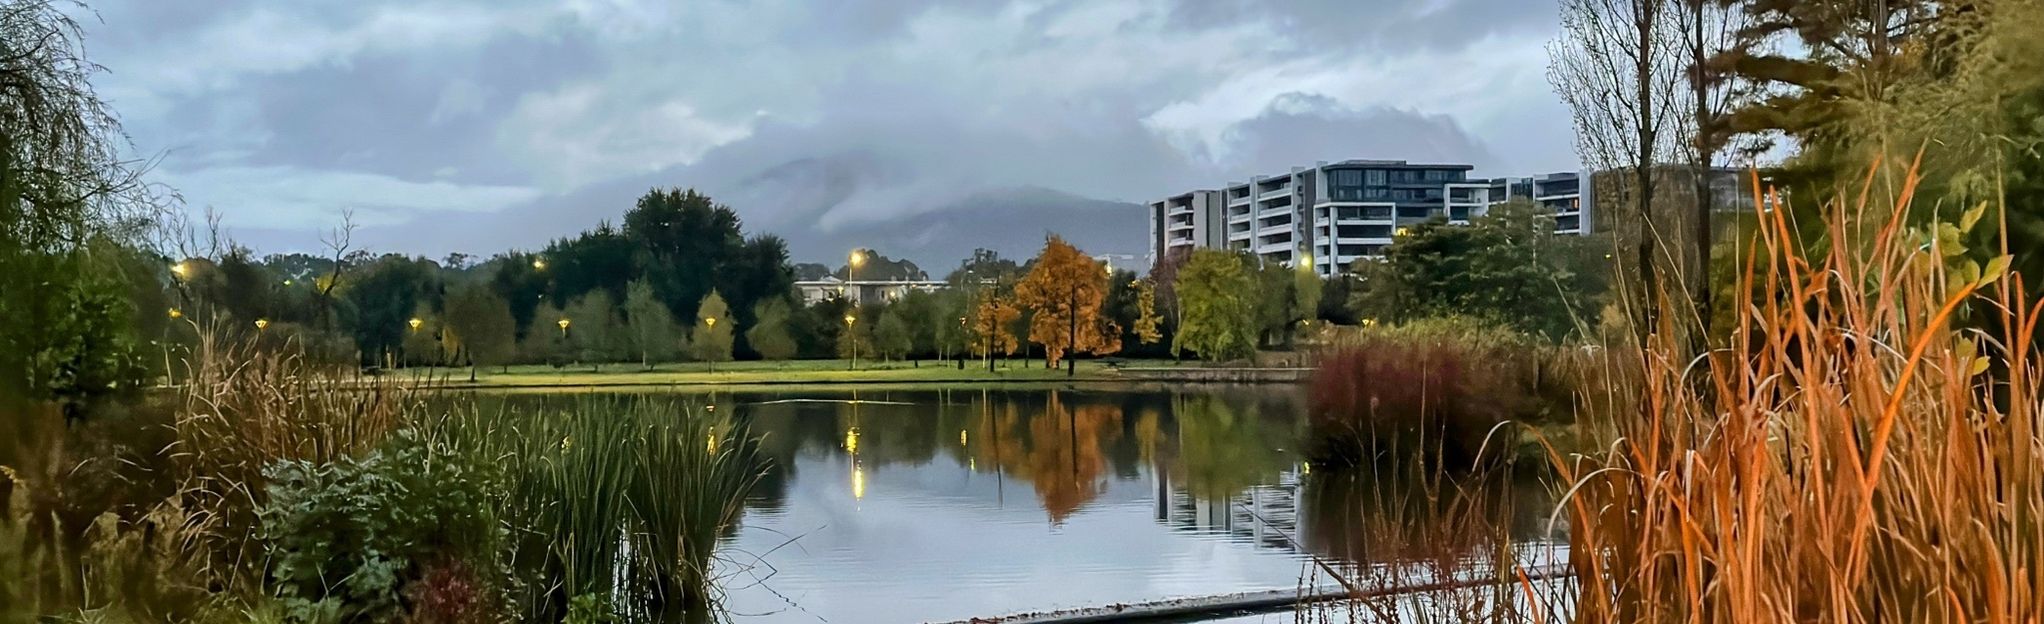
482	125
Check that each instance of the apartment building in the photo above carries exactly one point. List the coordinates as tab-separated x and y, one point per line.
1561	193
1330	214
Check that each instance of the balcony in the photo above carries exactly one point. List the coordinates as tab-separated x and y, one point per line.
1274	230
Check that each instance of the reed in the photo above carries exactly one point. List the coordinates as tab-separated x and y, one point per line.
623	499
1436	386
243	407
1853	454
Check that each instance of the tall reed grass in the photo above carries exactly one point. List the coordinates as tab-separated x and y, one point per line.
1438	387
623	499
1853	455
243	407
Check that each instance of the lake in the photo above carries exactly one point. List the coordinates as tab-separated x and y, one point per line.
949	504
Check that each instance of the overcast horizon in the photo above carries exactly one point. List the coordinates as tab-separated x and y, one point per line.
479	127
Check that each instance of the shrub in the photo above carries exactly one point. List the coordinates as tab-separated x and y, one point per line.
346	537
1436	387
243	409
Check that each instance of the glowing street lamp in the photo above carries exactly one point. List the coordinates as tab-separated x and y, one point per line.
538	264
849	320
1404	231
415	323
563	323
181	270
262	324
176	313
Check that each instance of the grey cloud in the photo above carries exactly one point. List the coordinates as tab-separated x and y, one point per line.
830	122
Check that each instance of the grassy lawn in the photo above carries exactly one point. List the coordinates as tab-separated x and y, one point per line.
782	372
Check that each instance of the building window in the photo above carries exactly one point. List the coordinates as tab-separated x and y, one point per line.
1376	177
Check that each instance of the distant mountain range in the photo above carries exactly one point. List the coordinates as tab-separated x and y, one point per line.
936	228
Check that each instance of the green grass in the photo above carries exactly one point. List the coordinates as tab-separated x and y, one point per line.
776	372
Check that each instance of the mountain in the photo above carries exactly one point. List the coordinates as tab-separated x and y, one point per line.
1013	222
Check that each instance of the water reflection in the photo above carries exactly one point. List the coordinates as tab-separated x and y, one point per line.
950	504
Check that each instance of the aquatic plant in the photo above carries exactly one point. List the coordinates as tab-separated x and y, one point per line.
1852	455
624	499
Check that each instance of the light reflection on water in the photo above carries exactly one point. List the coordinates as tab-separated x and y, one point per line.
942	505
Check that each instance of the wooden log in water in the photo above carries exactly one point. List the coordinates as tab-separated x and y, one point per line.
1226	605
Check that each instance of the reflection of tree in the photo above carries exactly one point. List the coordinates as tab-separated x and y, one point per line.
1223	451
1059	451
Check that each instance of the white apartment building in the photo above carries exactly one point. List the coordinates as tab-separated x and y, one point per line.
1333	214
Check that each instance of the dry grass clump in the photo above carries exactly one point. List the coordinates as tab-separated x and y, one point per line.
1434	386
244	407
1853	455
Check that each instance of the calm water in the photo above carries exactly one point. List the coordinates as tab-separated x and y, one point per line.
942	505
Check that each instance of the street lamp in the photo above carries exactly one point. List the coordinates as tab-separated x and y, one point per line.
1404	231
176	313
181	270
415	323
538	264
563	323
852	270
262	324
712	322
849	320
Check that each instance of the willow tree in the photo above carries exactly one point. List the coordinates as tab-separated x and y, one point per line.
1067	291
66	193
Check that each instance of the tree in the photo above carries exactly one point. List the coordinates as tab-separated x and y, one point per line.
991	320
1218	318
769	334
855	337
1273	298
593	329
948	331
66	188
918	311
1066	291
421	342
520	280
1615	66
480	324
651	327
545	341
684	240
600	259
1305	294
384	297
892	335
1147	322
1506	266
710	341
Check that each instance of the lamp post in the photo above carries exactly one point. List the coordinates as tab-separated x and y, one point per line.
538	264
852	272
711	321
854	339
415	323
262	324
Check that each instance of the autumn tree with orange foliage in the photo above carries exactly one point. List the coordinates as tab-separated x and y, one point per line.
991	318
1066	291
